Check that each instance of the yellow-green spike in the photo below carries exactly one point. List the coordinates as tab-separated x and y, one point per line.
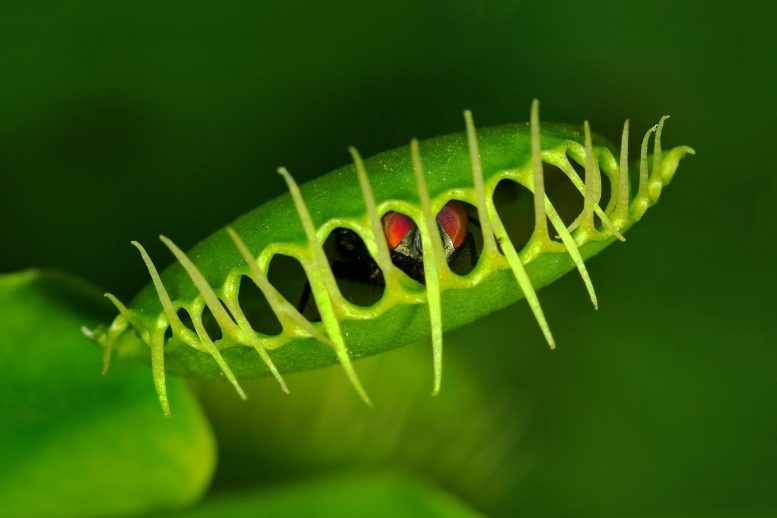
432	243
384	257
622	206
489	243
210	347
538	176
574	252
606	222
642	192
587	220
126	313
521	276
656	182
167	306
117	327
157	345
319	287
181	330
225	322
279	305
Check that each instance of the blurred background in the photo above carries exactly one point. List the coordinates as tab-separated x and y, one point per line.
122	121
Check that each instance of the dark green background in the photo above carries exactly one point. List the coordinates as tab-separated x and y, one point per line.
123	121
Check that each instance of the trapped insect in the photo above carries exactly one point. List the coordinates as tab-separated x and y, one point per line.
403	223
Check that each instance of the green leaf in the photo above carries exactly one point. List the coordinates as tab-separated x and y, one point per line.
71	441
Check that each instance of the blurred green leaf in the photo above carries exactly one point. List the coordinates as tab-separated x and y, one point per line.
343	495
470	439
73	442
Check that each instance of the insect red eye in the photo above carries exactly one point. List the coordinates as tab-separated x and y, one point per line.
453	220
396	226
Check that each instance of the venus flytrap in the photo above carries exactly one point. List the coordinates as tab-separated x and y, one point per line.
416	183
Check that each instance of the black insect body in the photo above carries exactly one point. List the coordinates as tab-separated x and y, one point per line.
351	261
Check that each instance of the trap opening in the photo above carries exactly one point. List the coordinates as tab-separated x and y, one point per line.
289	278
358	276
465	257
563	194
256	309
211	326
186	319
515	205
